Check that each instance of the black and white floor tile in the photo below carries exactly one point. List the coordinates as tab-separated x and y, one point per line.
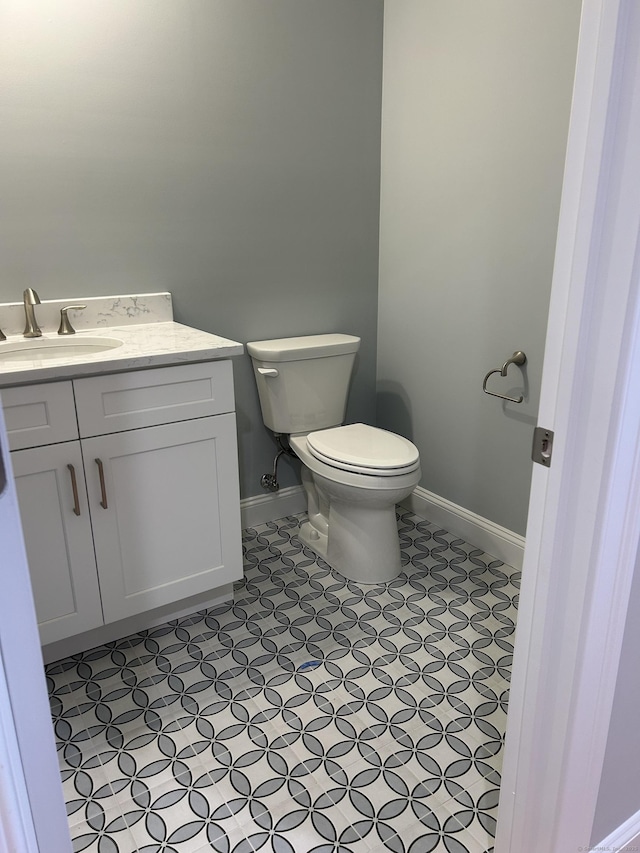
310	715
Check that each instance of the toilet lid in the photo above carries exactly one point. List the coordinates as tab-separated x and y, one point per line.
364	449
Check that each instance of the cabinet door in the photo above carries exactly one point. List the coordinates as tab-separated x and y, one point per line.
58	540
166	512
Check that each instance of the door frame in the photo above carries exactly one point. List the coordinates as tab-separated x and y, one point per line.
584	518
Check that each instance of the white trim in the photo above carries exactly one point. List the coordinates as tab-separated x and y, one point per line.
584	515
262	508
495	540
490	537
623	837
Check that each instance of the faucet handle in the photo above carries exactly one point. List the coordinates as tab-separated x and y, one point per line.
65	327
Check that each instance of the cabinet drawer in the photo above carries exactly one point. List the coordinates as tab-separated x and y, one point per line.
39	414
144	398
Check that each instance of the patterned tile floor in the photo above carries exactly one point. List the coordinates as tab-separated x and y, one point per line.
311	715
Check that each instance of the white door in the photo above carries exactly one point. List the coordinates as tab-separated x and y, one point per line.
32	813
55	518
584	519
164	506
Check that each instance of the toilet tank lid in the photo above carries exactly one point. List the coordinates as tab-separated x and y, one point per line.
306	346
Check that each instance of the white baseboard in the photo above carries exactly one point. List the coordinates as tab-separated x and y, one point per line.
625	837
269	507
497	541
493	539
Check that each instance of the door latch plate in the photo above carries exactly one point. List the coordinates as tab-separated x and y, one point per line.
542	446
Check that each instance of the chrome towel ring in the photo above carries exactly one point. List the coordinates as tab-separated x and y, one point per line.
518	358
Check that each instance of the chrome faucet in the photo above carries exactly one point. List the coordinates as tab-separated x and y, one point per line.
31	299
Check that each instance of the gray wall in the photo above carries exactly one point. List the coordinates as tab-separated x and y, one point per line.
619	796
476	100
229	151
225	150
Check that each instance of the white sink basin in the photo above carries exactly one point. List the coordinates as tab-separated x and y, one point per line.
49	349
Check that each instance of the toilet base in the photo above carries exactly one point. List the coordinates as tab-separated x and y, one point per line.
351	519
313	539
361	545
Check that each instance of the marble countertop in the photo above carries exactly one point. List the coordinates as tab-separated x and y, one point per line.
144	323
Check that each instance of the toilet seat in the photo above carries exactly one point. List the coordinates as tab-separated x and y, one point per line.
364	449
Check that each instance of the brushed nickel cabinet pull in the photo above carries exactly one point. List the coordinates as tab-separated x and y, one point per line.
103	488
74	488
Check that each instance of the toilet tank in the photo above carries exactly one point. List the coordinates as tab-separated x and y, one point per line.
303	382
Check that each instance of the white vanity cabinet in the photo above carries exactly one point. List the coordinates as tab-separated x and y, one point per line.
58	539
155	463
164	519
47	464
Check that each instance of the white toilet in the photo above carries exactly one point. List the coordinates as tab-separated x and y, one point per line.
353	475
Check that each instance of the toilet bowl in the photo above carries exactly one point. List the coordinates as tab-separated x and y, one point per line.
353	475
